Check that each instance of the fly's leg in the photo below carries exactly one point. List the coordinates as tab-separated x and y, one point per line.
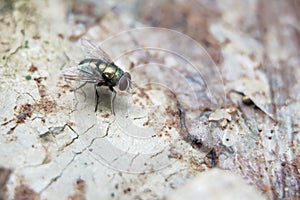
113	99
80	88
96	94
97	97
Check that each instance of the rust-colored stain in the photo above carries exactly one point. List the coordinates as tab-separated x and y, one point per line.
80	190
70	123
127	190
32	68
46	105
41	87
24	192
106	115
66	87
25	111
174	153
60	35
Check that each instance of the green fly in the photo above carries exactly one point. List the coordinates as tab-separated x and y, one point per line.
98	69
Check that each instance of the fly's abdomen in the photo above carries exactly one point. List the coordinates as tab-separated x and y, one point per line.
95	65
90	65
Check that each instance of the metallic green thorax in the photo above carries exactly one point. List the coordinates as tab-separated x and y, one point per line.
109	71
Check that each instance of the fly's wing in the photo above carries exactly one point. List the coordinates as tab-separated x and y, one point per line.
93	51
82	73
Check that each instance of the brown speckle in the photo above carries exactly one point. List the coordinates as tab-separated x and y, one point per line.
146	123
32	68
80	189
41	87
127	190
23	192
174	153
71	123
167	134
60	35
131	66
46	105
6	122
106	115
36	37
11	130
25	111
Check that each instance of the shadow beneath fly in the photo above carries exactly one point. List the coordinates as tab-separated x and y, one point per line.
85	98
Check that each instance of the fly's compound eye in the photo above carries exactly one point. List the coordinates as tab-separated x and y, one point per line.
124	82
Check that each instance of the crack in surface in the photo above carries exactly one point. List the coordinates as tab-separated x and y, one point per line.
192	139
107	130
53	180
73	139
53	131
167	178
12	53
88	129
56	130
156	154
125	153
132	160
96	138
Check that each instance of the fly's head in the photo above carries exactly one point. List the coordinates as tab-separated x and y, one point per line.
125	82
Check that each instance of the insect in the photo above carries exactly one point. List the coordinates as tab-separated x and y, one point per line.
98	69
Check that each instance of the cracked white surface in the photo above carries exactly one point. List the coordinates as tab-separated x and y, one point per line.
51	137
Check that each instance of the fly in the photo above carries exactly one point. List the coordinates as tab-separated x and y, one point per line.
98	69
